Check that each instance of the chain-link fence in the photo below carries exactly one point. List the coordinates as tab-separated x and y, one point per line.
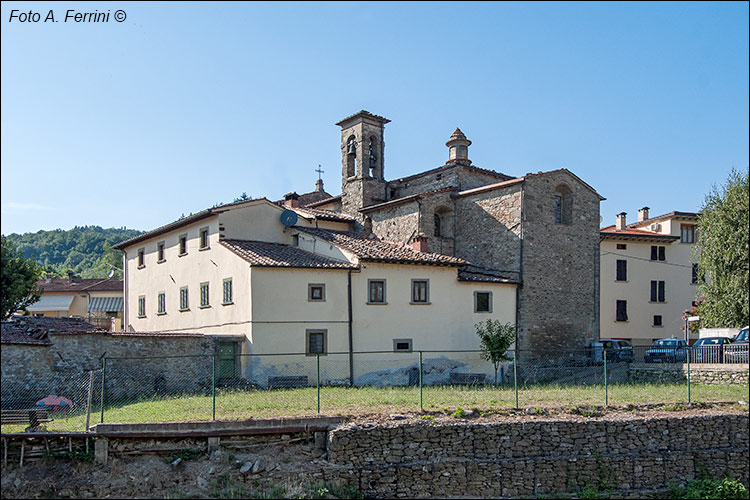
239	386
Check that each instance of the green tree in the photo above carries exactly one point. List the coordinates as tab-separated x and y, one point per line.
19	280
723	268
242	197
495	339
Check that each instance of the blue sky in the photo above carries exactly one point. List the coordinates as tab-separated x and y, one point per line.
183	106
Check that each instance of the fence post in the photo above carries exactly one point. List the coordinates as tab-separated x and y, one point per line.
317	383
515	376
89	398
606	387
213	387
104	377
688	372
421	407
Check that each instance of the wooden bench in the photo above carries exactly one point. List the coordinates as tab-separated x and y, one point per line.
467	378
288	382
33	417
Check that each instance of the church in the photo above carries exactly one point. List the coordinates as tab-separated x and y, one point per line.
400	266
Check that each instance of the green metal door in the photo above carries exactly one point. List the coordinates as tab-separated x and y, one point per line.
227	353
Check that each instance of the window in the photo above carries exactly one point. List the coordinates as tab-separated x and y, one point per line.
622	270
376	292
622	310
657	291
687	233
183	244
204	238
184	299
420	291
482	302
437	225
658	253
142	306
622	246
657	320
160	252
161	303
227	299
295	240
316	292
141	262
204	295
402	345
316	342
563	205
694	278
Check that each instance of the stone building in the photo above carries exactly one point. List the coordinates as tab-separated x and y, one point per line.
542	229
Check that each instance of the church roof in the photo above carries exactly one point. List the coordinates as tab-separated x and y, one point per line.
375	250
324	201
265	254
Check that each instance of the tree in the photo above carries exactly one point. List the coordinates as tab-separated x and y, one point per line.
495	338
19	280
723	268
242	197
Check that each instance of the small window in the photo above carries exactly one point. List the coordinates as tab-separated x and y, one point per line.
183	244
658	253
658	291
687	233
563	205
622	310
184	299
316	292
420	291
295	240
437	225
316	342
622	270
204	238
227	285
142	306
376	292
160	252
401	345
657	320
141	261
482	302
204	295
622	246
161	303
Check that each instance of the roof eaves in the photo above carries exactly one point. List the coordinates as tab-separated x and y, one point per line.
165	228
670	215
489	187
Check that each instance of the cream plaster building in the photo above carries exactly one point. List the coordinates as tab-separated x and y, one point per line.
648	276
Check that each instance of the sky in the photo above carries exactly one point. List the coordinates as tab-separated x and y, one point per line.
181	106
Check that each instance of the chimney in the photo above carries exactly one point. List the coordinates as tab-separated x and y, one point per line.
420	243
458	148
643	214
621	224
49	278
291	200
319	186
70	276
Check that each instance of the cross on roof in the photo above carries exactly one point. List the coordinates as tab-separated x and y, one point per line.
319	171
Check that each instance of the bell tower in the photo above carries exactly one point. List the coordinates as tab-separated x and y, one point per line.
362	161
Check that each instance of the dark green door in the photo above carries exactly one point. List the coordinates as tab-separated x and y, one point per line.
227	360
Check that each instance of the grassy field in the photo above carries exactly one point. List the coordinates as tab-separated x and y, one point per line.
240	404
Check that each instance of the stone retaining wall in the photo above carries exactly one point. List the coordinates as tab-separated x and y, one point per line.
539	457
709	374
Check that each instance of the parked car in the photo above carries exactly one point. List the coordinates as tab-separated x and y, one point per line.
708	350
667	351
737	351
618	350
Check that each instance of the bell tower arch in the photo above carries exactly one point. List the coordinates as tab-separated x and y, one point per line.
362	162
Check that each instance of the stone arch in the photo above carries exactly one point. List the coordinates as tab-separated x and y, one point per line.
351	159
372	157
443	221
563	204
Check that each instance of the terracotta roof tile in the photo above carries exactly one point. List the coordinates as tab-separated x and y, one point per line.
323	214
324	201
264	254
35	330
484	275
81	284
371	249
611	232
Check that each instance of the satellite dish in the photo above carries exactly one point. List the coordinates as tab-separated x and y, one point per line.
289	218
111	273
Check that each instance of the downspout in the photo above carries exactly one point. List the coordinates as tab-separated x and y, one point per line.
351	337
125	319
520	268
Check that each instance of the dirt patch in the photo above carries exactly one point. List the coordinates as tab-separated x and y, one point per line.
269	467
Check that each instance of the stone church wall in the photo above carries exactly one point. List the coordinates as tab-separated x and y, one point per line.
559	299
398	223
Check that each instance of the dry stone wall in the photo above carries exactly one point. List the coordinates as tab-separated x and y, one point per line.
699	374
488	460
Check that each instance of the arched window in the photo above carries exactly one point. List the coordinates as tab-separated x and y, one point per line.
437	225
351	156
443	222
563	205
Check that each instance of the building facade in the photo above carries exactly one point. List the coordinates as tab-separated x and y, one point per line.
648	276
